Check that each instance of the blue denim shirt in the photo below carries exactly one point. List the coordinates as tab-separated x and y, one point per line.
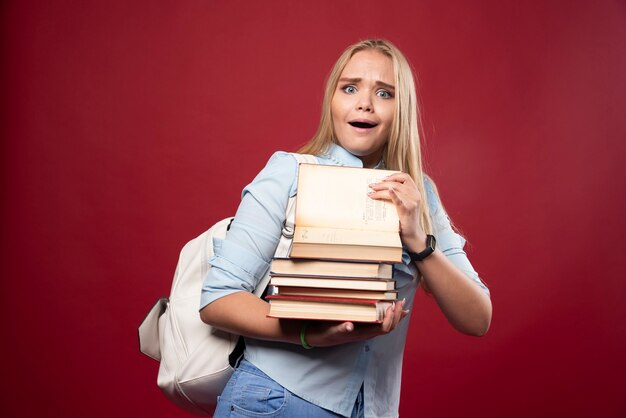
330	377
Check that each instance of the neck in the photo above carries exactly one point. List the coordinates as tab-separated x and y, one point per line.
372	160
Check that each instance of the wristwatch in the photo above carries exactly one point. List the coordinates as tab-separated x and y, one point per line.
430	248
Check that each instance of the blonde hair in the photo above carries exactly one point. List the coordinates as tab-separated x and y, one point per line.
402	150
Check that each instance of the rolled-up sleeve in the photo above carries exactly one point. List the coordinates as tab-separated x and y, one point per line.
241	259
448	241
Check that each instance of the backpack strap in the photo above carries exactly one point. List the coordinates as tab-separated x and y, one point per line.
290	219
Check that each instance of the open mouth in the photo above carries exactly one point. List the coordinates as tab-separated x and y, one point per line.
363	125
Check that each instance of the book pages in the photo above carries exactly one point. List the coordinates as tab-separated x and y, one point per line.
336	197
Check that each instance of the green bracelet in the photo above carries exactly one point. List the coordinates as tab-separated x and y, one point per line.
302	339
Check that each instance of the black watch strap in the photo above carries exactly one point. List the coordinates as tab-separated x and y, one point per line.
431	242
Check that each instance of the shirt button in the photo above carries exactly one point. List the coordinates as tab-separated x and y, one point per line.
366	348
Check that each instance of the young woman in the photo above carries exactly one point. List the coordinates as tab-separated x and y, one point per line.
369	119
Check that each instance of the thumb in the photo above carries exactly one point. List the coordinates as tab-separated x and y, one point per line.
346	327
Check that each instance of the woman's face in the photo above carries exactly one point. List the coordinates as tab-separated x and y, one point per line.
363	105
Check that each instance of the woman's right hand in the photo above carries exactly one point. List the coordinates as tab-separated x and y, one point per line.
326	333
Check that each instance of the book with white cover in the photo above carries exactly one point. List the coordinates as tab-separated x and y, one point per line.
336	219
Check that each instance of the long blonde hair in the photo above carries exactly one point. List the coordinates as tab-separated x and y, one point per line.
402	151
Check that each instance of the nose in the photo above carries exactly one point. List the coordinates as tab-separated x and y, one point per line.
364	103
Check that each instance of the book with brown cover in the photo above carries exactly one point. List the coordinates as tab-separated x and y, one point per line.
327	309
313	267
336	293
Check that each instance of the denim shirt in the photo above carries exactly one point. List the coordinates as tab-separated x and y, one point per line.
329	377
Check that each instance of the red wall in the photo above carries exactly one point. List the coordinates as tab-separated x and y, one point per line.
129	127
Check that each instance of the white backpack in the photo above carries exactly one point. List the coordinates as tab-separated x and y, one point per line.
196	360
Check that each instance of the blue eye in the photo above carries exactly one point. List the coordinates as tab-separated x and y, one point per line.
349	89
384	94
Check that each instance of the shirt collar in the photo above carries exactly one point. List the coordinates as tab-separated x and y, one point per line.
341	156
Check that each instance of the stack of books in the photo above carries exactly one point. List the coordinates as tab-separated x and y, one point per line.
330	290
344	242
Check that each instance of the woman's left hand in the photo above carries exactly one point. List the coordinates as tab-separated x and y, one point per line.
401	190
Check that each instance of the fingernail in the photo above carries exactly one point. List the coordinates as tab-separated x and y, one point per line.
349	327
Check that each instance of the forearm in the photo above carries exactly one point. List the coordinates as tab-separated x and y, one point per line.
466	306
245	314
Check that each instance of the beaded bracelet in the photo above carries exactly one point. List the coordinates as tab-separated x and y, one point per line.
302	339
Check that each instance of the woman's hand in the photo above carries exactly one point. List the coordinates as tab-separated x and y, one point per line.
401	190
325	334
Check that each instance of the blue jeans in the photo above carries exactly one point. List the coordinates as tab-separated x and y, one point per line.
252	393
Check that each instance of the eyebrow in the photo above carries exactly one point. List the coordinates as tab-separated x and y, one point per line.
358	80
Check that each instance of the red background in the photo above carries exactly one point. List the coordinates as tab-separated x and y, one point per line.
130	127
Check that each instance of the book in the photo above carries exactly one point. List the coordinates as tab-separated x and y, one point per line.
336	293
328	309
304	267
333	283
336	219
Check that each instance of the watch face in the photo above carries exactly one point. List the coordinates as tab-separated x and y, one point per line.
431	241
